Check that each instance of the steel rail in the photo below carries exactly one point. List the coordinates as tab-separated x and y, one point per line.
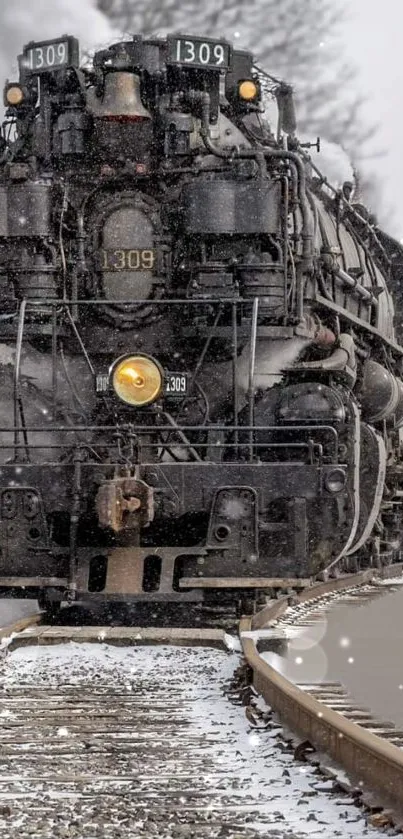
20	625
370	760
33	630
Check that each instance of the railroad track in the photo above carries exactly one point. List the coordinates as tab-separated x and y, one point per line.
323	714
102	737
103	733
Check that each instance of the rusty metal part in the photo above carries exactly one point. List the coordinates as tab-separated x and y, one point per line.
312	328
125	504
370	758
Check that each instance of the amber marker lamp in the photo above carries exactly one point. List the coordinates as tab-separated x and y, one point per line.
13	95
248	90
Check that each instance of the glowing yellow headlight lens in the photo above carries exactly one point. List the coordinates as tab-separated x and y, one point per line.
14	95
247	90
137	380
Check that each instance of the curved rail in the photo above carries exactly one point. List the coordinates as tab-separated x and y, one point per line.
369	759
19	626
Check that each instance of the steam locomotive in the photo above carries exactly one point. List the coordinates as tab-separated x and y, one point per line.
200	367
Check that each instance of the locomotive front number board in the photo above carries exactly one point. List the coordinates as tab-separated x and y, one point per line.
199	52
175	385
51	55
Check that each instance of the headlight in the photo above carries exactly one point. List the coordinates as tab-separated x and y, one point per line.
137	380
335	481
13	95
248	90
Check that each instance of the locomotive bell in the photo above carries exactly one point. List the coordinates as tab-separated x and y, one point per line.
121	98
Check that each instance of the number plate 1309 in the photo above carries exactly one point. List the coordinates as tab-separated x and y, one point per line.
199	52
176	385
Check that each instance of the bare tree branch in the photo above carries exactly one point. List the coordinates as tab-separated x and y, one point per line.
295	40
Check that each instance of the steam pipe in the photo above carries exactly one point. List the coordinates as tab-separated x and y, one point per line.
81	263
235	371
286	242
182	436
279	154
17	369
362	292
74	521
252	358
54	359
336	361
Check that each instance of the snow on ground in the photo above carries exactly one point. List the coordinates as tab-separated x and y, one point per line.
243	767
392	581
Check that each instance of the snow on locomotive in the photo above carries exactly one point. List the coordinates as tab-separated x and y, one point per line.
199	372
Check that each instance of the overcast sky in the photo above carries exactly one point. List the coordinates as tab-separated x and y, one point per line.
373	37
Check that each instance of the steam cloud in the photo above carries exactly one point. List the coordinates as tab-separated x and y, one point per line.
35	20
272	358
333	162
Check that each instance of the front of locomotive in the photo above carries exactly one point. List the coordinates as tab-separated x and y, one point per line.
153	297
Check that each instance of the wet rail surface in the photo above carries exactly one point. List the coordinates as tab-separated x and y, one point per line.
323	713
363	649
125	741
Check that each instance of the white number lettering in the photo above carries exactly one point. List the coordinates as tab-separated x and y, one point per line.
133	260
61	53
120	260
176	384
219	54
204	53
39	61
178	50
147	259
50	55
190	50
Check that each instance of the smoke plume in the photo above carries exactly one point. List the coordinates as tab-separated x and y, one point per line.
36	20
333	162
